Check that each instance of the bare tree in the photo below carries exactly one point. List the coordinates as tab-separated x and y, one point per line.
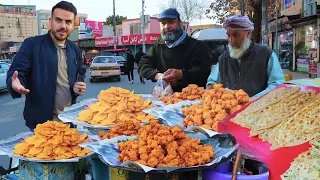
189	9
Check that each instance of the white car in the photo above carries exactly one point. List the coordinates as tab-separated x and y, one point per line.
3	76
105	66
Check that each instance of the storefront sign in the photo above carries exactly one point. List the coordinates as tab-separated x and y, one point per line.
303	65
93	28
14	49
109	41
137	39
282	24
87	43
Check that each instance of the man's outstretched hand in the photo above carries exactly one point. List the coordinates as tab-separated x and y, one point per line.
16	85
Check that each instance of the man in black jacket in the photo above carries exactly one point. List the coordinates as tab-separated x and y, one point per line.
130	64
138	57
178	58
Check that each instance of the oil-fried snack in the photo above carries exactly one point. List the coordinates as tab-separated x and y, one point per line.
191	92
127	128
218	103
165	146
53	141
115	105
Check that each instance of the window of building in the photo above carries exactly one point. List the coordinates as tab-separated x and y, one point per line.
135	28
288	4
82	19
311	7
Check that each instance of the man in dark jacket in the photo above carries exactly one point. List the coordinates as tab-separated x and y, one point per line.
246	65
46	69
138	57
130	65
178	58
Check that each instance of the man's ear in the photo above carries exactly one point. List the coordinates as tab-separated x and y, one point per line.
249	33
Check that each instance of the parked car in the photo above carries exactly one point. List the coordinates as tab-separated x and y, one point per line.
123	63
5	61
5	66
103	67
3	77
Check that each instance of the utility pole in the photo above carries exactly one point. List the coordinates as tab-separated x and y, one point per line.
114	24
242	7
143	28
264	24
277	39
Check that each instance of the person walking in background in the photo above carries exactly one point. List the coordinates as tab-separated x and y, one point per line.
130	65
139	55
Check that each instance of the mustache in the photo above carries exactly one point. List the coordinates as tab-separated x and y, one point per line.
169	30
62	30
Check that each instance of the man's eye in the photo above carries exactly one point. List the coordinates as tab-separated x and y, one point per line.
69	22
58	20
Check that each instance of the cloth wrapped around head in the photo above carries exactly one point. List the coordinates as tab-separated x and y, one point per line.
238	22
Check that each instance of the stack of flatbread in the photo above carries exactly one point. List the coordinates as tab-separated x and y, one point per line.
306	165
285	117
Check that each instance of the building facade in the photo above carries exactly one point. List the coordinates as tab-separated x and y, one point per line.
205	26
17	22
297	38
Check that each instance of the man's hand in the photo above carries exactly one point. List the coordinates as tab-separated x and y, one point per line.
171	76
80	88
157	76
209	87
16	85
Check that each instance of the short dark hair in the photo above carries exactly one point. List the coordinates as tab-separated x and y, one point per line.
66	6
140	48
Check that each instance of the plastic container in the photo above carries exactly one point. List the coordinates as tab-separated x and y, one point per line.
224	171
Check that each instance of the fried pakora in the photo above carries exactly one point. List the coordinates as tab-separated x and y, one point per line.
218	103
191	92
127	128
165	146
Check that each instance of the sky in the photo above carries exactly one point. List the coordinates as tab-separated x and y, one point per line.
98	10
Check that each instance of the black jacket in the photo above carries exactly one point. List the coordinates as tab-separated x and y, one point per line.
130	61
139	56
251	74
191	56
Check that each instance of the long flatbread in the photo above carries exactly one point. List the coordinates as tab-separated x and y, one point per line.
283	110
302	128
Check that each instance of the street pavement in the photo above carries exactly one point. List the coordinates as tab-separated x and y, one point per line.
11	117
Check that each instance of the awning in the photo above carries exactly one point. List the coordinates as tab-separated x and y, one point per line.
211	35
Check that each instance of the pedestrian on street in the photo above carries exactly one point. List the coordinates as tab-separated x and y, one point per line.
178	58
46	69
130	65
246	65
138	57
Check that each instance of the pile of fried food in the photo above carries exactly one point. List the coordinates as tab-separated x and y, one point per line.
53	141
127	128
218	103
116	104
191	92
165	146
285	117
306	165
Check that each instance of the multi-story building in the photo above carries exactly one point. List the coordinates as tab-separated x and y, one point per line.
297	38
17	22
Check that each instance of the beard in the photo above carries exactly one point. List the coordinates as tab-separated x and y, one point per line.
175	34
236	53
57	36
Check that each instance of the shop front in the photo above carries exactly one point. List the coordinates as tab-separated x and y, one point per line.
306	48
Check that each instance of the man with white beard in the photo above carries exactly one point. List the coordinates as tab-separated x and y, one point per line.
246	65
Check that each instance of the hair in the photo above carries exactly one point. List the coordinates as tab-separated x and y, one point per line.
140	48
66	6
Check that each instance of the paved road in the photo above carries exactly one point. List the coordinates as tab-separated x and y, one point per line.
11	118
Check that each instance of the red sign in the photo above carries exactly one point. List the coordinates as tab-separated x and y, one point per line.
109	41
93	28
137	39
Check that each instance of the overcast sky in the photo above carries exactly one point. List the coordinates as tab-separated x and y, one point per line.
98	10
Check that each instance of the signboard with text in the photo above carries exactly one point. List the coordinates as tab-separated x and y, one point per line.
109	41
137	39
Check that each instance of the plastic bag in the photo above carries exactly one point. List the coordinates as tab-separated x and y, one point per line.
162	89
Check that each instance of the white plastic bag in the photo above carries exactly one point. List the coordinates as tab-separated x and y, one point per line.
162	89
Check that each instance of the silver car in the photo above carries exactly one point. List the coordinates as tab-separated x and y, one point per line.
105	66
4	67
